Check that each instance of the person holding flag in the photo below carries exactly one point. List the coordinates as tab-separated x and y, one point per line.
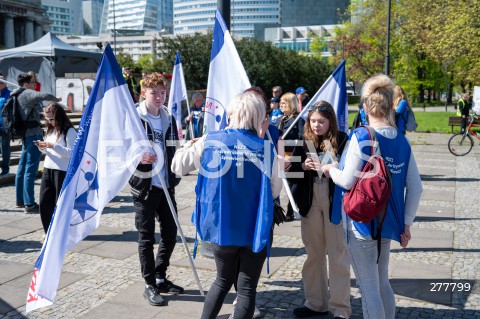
149	198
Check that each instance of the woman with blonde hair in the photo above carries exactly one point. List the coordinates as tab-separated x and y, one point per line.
239	226
57	147
289	107
402	106
369	264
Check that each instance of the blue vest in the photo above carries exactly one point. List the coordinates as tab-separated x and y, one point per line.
234	204
396	153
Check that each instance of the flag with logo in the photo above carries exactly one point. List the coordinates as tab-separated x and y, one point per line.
108	147
226	76
178	93
333	91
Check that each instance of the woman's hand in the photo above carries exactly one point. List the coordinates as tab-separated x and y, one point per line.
405	237
311	164
326	169
43	145
148	158
189	118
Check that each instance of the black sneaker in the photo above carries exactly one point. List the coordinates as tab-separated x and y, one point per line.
305	312
20	205
152	294
32	209
168	287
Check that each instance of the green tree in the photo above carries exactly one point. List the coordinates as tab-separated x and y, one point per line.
125	59
146	63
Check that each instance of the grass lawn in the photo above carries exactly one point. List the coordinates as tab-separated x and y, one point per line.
428	121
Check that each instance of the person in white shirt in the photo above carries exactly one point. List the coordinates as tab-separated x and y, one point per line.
57	147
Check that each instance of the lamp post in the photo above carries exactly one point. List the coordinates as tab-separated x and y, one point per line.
114	30
224	7
387	54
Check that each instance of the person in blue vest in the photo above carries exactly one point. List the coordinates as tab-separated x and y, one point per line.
4	137
196	116
322	143
237	181
378	300
402	106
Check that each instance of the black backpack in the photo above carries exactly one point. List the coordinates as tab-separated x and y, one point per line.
13	124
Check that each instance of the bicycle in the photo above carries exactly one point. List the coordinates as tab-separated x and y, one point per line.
461	144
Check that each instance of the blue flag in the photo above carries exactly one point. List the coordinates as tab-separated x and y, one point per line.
226	77
333	91
108	147
178	93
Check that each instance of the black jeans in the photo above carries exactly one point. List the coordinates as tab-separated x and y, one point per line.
50	187
234	264
146	211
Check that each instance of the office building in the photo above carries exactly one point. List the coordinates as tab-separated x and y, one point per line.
65	15
92	16
22	22
136	15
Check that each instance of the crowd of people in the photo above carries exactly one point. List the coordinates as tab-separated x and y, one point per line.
240	228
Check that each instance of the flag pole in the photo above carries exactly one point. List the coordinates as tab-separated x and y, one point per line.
8	82
177	222
284	180
190	124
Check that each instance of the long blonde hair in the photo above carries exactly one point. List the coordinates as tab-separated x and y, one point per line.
377	94
398	95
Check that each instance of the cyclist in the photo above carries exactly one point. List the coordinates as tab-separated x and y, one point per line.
464	106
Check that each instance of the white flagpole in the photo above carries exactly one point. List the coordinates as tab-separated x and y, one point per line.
284	180
190	124
177	222
8	82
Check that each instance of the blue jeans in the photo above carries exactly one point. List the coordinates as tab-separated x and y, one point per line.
5	148
27	170
378	299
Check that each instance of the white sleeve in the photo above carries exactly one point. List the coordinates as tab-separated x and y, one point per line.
353	166
187	158
66	151
414	191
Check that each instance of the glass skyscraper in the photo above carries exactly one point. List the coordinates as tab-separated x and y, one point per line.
249	18
137	15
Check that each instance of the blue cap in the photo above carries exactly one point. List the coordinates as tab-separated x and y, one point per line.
275	99
300	90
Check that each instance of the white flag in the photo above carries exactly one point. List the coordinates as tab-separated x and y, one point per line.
107	150
333	91
178	93
226	77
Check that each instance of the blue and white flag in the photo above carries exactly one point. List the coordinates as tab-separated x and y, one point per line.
109	145
178	93
226	77
333	91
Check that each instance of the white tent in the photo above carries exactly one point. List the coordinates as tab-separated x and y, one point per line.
50	58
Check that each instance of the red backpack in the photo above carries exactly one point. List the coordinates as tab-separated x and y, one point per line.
368	197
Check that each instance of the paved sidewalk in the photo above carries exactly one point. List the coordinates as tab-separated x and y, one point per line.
101	276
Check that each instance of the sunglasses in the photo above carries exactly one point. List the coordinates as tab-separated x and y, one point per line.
321	108
50	120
